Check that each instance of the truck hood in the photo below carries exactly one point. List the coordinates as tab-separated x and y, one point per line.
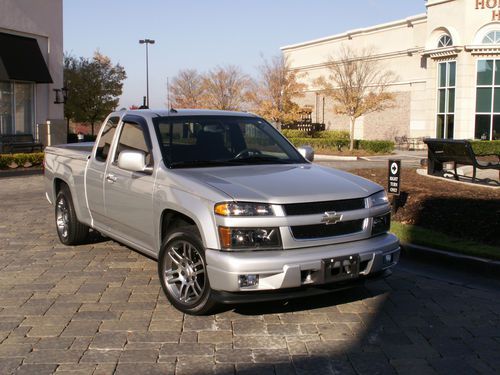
282	183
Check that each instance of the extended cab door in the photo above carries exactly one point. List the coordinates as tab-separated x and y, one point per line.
128	196
94	180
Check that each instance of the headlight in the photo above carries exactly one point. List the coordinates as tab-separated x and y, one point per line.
379	199
249	238
381	224
243	209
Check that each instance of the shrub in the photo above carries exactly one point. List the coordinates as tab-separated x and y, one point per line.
293	133
337	134
319	143
486	147
377	147
35	158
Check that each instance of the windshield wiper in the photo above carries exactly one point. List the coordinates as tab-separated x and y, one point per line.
197	163
261	159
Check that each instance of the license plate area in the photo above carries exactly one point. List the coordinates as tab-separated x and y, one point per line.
341	268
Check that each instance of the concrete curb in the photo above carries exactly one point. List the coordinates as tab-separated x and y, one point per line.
467	263
18	173
334	157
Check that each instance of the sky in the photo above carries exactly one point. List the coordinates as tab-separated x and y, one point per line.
202	34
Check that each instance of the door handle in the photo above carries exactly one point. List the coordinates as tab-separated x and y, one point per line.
111	178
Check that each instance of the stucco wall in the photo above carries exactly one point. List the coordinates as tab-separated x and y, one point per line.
42	20
409	48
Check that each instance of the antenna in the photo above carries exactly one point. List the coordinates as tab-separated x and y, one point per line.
168	94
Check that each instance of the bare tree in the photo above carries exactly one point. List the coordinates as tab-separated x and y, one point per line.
357	84
226	88
277	87
186	89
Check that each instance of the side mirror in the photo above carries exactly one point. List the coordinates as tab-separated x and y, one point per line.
133	161
307	152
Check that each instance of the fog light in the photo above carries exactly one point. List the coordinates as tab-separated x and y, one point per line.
387	259
245	281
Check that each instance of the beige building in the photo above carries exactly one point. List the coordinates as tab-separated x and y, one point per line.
448	66
31	68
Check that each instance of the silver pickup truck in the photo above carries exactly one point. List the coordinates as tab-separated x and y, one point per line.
229	208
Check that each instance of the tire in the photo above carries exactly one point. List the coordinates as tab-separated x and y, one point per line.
69	229
182	270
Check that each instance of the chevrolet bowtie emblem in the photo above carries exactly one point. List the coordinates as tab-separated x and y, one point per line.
331	217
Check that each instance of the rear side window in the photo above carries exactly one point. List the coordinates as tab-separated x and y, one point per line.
132	138
106	139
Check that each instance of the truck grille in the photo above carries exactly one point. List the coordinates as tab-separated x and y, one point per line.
302	232
312	208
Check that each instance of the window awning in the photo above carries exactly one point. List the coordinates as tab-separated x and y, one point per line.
21	59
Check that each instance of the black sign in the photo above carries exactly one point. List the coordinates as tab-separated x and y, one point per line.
394	176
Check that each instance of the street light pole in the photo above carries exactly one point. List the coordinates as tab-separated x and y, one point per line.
146	42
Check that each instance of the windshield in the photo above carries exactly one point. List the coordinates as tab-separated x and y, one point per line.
206	141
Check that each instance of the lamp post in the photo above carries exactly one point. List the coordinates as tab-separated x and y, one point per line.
146	42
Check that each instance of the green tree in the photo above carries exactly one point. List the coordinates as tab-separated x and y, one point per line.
94	86
358	85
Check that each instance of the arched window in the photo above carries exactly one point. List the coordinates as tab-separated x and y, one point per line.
445	41
493	37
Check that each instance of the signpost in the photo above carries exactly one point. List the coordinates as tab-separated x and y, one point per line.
393	182
394	179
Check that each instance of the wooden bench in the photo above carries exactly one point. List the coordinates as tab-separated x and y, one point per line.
457	152
19	143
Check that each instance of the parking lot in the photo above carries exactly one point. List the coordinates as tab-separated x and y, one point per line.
99	309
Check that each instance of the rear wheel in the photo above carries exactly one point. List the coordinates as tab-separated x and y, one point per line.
183	272
69	229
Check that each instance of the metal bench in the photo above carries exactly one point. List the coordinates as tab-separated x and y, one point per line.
457	152
19	143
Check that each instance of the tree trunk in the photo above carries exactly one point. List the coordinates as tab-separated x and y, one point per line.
351	133
92	129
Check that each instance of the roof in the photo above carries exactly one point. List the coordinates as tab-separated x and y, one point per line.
406	21
188	112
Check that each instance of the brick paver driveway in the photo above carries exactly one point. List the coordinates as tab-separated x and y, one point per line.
98	309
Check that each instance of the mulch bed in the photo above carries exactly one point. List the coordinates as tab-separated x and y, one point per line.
460	210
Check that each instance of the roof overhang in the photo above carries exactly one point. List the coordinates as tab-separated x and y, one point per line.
22	60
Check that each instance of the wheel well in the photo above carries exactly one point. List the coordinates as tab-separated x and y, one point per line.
58	183
171	219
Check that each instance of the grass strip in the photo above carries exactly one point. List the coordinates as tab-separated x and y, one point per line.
426	237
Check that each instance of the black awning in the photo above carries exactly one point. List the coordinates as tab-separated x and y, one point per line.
21	59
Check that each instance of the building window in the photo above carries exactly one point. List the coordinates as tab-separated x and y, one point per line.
446	99
445	41
16	108
488	100
493	37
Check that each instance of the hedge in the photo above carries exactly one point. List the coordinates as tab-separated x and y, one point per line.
486	147
378	147
35	158
336	134
332	143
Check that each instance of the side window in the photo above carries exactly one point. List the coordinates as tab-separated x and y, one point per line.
106	139
132	138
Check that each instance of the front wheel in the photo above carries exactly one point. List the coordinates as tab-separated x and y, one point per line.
183	272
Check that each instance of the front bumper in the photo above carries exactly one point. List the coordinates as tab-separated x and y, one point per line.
285	269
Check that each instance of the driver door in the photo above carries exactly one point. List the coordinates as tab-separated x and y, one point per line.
128	195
